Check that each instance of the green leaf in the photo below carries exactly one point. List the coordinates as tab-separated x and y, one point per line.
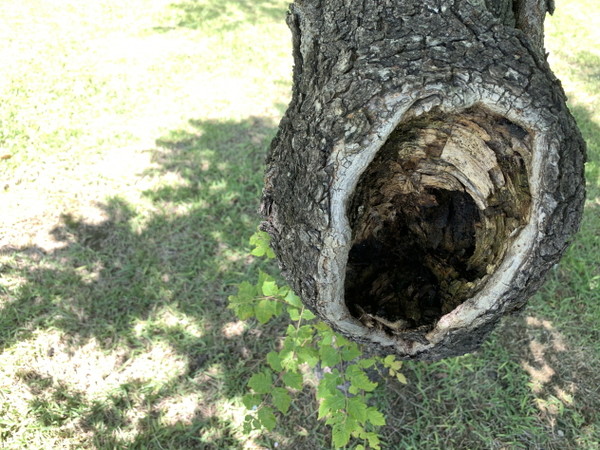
274	361
373	440
340	433
339	436
326	335
248	424
306	332
359	447
261	382
281	399
308	355
350	352
269	288
366	363
262	277
293	299
331	404
283	291
329	383
391	362
293	380
289	361
401	378
359	379
323	328
260	240
266	416
332	420
341	341
307	314
243	303
265	309
375	417
357	408
251	400
294	313
329	356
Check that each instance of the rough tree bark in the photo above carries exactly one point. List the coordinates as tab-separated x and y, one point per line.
427	172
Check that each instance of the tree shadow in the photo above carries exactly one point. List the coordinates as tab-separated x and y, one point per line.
186	252
154	275
226	15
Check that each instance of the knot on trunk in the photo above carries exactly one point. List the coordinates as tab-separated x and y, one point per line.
426	174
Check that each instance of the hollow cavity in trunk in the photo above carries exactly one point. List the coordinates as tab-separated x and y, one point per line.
433	215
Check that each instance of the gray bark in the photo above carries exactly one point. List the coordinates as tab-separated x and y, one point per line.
427	172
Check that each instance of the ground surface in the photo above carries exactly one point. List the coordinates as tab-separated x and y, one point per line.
132	137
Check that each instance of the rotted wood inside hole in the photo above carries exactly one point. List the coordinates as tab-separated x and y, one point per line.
433	215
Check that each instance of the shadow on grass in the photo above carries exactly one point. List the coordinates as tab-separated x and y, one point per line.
185	251
226	15
148	277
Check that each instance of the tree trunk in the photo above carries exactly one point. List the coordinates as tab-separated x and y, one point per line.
427	172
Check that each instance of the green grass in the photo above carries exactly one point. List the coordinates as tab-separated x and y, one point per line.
133	136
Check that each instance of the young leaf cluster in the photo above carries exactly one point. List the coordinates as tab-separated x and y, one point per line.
309	346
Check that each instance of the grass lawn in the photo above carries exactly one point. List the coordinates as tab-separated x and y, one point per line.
132	140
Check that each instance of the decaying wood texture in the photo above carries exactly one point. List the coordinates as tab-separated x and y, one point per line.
427	172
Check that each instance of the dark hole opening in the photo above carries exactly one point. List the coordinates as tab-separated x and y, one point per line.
432	217
402	271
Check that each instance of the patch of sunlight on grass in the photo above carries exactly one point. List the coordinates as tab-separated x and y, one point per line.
573	40
107	85
233	329
167	319
93	370
548	362
233	411
575	19
179	409
218	186
213	374
89	274
8	282
111	279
